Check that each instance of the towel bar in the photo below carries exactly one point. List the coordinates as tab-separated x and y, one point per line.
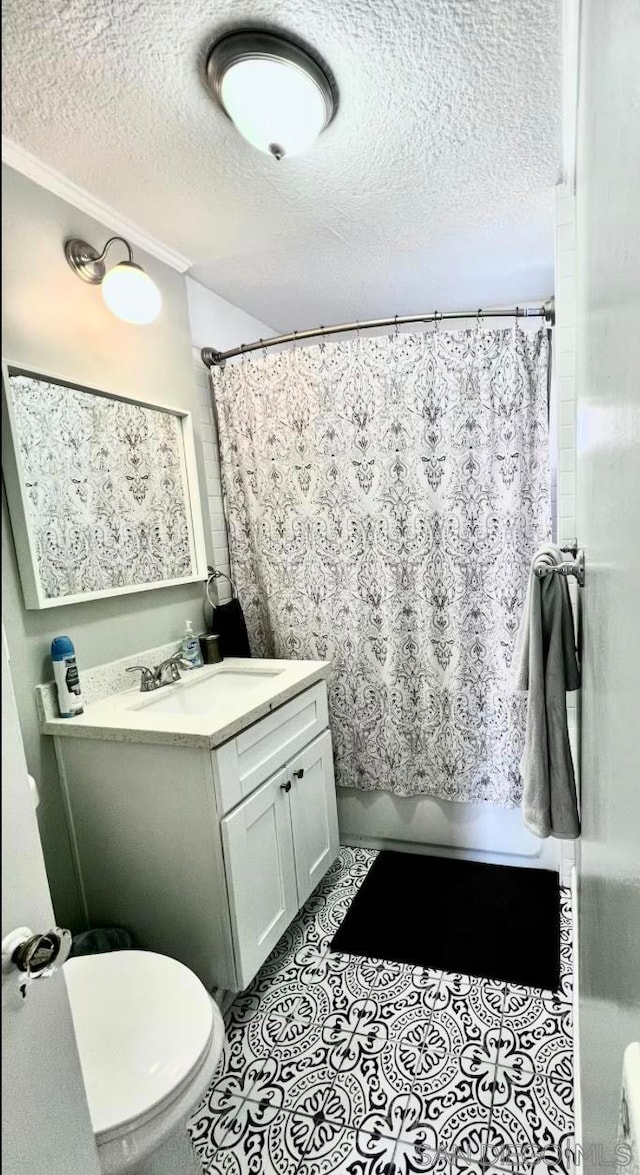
570	567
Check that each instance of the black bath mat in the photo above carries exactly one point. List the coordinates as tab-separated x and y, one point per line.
493	921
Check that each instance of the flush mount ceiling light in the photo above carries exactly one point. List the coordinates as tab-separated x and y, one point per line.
127	290
276	94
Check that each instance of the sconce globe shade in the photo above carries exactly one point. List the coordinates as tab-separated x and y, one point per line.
274	92
131	294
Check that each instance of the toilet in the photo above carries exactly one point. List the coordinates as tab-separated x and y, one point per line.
150	1038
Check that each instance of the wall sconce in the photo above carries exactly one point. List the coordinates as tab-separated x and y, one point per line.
127	290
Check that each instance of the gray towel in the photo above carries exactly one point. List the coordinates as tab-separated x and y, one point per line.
546	666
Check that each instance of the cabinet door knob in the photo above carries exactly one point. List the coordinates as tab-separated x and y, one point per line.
298	774
286	786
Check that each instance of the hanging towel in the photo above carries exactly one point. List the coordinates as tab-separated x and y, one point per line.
546	666
229	623
226	620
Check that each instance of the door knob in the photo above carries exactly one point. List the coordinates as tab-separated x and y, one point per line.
36	956
298	774
286	786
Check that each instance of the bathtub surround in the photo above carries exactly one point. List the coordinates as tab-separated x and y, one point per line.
212	317
385	496
425	824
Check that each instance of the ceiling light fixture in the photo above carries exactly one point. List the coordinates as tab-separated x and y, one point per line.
276	94
127	290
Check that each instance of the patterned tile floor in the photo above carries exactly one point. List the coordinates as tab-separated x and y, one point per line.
338	1065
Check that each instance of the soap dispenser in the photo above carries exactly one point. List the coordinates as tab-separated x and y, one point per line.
190	647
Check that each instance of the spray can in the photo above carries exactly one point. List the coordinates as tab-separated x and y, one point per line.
65	671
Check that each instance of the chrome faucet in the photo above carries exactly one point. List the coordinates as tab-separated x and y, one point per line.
147	680
165	673
169	671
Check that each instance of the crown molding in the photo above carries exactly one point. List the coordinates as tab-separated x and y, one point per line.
26	163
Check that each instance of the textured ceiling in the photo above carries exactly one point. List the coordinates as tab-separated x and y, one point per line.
431	188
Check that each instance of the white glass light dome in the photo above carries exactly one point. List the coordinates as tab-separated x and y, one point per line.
275	94
131	294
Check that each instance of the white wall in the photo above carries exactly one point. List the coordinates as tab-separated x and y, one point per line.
216	323
608	509
55	323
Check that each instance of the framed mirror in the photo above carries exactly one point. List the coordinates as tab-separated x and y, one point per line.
102	491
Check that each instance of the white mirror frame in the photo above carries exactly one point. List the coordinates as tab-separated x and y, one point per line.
17	499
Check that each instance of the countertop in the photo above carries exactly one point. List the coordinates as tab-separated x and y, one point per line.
124	717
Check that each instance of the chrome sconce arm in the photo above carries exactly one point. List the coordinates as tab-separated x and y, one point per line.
87	263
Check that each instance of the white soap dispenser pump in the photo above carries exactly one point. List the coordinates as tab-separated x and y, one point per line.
190	647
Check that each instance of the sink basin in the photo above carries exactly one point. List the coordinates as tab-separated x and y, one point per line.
219	688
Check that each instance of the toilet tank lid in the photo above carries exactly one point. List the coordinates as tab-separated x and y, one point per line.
142	1023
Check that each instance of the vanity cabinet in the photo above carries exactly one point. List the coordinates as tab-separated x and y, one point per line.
278	844
206	855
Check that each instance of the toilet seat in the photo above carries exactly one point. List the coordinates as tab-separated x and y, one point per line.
144	1025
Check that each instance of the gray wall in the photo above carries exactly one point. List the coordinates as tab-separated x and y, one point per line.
608	490
55	323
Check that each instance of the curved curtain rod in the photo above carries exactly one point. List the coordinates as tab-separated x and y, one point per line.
212	358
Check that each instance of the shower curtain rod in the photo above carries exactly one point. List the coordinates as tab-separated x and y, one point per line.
213	358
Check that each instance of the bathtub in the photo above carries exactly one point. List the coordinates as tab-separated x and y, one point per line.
425	824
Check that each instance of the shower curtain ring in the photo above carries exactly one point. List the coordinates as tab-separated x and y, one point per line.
264	349
478	317
396	328
323	341
435	320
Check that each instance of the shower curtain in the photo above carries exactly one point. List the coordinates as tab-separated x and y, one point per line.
384	497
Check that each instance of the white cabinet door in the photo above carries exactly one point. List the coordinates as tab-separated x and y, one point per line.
261	875
314	817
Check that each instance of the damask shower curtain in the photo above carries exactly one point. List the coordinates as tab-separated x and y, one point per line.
384	498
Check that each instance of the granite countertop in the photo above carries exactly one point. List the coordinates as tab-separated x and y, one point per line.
127	715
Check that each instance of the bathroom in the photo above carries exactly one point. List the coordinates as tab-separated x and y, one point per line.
344	937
